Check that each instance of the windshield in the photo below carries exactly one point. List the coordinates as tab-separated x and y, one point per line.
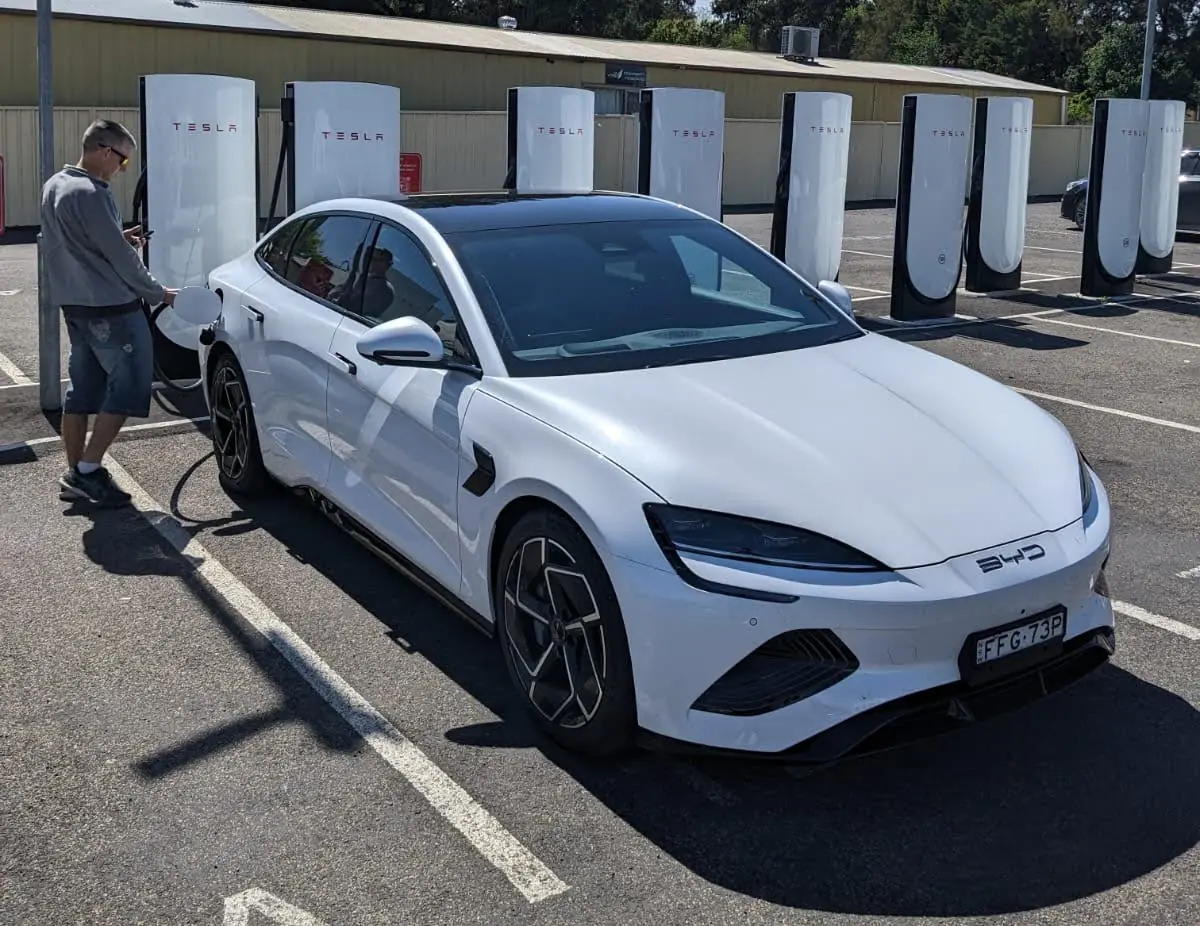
601	296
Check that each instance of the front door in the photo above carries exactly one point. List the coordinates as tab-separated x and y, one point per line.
395	430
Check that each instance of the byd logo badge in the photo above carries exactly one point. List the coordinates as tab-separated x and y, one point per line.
353	136
202	127
1029	553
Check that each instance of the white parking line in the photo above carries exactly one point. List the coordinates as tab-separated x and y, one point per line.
1157	620
1193	573
1161	422
863	289
13	372
1030	247
525	871
152	426
867	254
1124	334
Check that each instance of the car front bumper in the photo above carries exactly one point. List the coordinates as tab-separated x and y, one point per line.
823	675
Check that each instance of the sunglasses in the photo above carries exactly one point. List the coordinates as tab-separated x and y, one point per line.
124	157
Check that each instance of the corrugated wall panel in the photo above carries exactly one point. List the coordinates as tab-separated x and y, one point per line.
466	151
98	64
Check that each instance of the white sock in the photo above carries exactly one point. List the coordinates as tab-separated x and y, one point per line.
86	468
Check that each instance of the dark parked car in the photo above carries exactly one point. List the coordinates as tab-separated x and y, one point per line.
1074	200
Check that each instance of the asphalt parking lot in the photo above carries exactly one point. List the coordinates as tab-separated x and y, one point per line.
228	713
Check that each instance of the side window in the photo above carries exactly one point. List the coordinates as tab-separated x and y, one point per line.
400	281
325	257
274	251
1191	164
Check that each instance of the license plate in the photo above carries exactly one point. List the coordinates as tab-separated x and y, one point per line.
1019	639
1001	651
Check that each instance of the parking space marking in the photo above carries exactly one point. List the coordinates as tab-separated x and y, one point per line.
867	254
13	372
239	907
1124	334
1157	620
1161	422
863	289
522	868
1032	247
152	426
1193	573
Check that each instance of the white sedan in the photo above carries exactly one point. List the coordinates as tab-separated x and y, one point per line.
698	505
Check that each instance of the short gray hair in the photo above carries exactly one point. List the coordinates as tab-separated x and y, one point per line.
105	133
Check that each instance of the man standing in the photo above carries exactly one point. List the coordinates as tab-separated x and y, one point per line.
98	280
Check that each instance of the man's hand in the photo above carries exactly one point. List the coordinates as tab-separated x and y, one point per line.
134	236
169	296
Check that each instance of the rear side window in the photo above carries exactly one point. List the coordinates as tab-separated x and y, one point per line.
274	251
1190	164
326	259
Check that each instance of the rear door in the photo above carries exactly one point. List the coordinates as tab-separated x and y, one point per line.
295	314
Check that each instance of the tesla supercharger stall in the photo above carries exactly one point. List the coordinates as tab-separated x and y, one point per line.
996	205
340	138
551	140
681	147
1160	186
198	192
810	186
1112	223
935	141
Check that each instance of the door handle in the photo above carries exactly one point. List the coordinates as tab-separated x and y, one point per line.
350	366
258	316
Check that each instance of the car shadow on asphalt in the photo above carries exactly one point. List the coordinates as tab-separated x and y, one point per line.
1071	797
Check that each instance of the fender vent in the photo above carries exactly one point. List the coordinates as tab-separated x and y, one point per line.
786	669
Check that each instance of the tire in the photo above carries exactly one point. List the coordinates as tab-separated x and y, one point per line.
600	719
1081	211
234	434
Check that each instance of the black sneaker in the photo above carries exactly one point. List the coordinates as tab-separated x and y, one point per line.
96	487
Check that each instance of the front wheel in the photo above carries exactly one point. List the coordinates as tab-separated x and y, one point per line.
563	636
1081	211
235	437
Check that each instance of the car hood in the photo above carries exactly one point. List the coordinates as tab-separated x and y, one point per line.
890	448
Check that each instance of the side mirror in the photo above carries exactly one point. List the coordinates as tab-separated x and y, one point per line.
401	342
838	295
197	305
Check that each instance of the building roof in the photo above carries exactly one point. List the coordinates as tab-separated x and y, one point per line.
251	17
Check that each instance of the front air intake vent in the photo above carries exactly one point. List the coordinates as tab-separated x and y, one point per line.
786	669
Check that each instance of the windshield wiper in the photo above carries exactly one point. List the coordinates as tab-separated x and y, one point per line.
680	361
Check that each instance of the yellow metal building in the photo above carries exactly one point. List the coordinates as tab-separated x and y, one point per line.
101	49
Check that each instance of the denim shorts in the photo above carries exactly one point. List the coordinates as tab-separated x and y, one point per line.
112	361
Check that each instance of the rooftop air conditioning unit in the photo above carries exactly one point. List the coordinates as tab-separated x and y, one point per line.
507	22
800	43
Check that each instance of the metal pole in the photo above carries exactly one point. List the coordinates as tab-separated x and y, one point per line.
1148	53
49	330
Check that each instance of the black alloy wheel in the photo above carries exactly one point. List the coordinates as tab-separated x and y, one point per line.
234	436
563	637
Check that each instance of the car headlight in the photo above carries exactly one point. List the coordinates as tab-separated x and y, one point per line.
1074	185
747	540
1086	492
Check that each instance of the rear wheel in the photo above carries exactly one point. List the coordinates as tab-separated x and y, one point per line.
235	437
563	636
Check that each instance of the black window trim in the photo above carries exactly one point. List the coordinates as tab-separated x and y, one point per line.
375	226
